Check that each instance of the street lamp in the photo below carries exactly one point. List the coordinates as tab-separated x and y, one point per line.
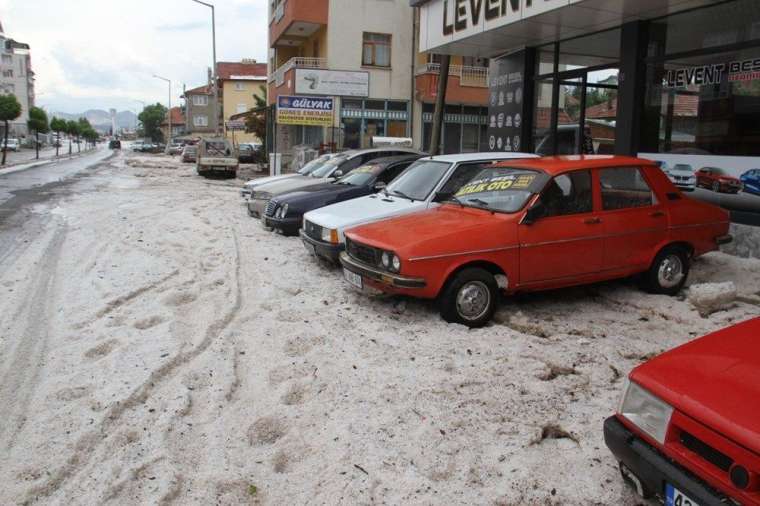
213	66
169	112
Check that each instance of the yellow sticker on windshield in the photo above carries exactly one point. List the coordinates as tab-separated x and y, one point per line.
364	169
497	184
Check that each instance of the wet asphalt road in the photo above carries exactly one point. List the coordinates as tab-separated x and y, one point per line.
21	188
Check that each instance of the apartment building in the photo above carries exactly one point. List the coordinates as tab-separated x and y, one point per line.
364	54
200	109
178	124
17	78
240	84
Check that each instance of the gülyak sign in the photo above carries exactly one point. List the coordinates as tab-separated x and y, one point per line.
742	70
309	111
470	13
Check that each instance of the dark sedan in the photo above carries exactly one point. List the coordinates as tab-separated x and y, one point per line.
285	212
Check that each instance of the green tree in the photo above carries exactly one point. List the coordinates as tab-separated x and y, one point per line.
10	109
256	122
38	123
57	125
151	118
72	128
84	127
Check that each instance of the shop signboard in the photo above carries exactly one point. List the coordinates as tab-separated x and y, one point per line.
308	111
336	83
505	108
237	124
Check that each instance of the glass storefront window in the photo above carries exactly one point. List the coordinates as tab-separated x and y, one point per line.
708	27
706	104
352	133
601	48
545	60
542	115
372	128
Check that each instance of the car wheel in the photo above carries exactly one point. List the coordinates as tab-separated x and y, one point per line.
716	187
469	298
668	272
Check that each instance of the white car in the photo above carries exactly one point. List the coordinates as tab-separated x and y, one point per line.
682	175
423	185
307	169
12	145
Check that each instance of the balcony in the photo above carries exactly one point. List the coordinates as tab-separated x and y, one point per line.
467	85
281	80
293	21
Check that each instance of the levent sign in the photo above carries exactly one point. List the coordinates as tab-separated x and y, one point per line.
445	21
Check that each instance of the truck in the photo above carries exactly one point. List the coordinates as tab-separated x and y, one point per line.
217	157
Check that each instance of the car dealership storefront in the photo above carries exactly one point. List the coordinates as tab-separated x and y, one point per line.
677	81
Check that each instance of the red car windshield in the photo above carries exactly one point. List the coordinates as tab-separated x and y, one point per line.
500	189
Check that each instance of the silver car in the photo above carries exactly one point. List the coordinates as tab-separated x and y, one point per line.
682	175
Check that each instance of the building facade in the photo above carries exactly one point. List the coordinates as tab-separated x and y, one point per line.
17	78
670	80
178	124
240	84
200	111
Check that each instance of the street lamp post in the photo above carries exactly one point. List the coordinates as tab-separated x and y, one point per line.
214	85
169	112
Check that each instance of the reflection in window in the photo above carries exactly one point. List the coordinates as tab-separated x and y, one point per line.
624	188
568	194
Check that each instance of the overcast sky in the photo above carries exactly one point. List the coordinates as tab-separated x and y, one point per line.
100	54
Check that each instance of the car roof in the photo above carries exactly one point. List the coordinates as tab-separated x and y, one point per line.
390	160
474	157
559	164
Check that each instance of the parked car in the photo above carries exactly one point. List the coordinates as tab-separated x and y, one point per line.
216	157
307	169
11	145
336	167
718	180
285	212
682	175
175	148
137	146
114	144
249	152
189	154
533	225
751	181
687	428
425	184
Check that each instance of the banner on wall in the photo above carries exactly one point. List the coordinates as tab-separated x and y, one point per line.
505	107
307	111
337	83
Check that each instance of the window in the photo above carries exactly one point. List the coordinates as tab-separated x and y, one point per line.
376	51
239	86
200	100
8	73
461	175
568	194
200	120
241	108
624	188
391	173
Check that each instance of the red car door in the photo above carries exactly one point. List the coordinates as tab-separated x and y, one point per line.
634	219
566	240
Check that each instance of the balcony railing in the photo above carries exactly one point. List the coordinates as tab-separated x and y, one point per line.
278	77
476	77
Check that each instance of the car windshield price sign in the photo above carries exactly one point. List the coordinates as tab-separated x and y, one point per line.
505	107
309	111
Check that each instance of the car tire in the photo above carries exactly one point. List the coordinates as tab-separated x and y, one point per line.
469	298
668	271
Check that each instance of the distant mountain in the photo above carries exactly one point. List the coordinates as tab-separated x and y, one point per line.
101	120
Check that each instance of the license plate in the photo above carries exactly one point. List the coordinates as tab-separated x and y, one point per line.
353	278
310	248
674	497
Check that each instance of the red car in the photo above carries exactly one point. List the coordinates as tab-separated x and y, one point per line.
688	426
718	180
534	225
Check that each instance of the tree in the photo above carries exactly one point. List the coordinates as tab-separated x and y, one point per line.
10	109
84	127
38	123
151	118
256	122
57	125
72	128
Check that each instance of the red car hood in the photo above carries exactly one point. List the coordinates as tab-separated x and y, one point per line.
714	379
441	230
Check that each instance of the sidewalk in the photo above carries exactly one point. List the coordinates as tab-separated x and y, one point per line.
20	165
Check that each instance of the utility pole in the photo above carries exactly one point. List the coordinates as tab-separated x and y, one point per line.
169	112
215	76
440	104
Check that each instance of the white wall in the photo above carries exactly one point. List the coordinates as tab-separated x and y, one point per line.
348	19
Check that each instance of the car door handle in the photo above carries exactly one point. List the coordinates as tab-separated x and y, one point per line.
657	214
592	221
